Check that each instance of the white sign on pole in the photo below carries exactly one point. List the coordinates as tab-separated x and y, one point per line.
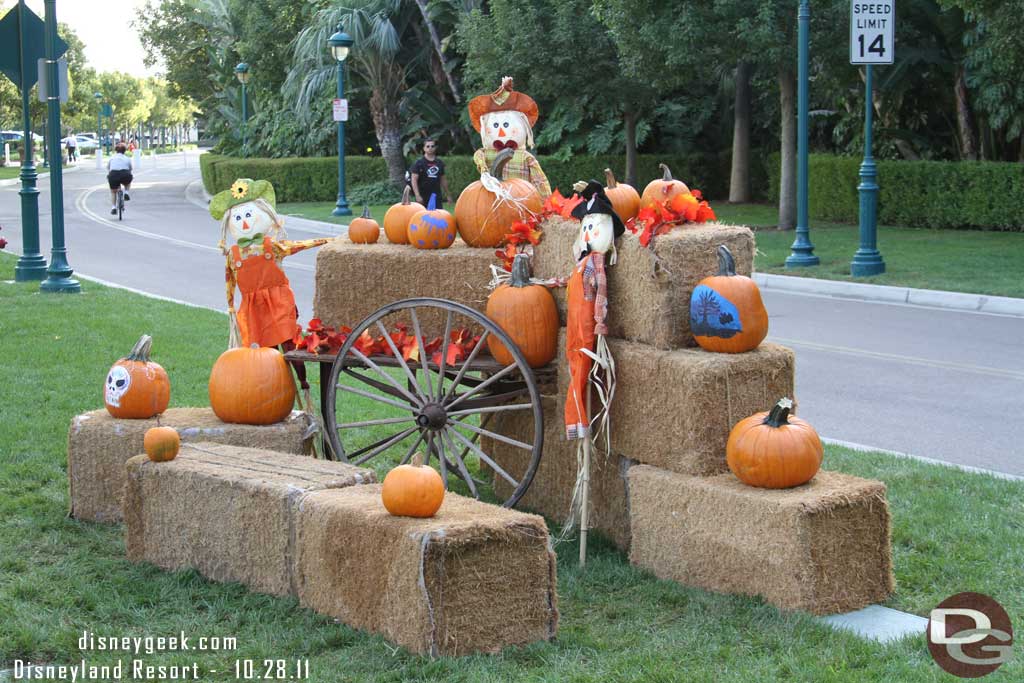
62	80
872	32
340	110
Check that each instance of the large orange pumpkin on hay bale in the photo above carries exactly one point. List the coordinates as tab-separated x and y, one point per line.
774	449
251	386
136	387
413	490
624	198
431	228
396	220
663	189
527	313
727	314
485	212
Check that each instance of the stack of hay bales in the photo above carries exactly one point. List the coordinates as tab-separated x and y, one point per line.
823	547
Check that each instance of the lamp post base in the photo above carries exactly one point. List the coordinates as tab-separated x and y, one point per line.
867	262
341	209
65	285
30	268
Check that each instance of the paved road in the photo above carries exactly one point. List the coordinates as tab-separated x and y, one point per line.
936	383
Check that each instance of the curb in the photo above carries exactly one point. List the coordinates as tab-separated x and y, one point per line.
929	298
40	176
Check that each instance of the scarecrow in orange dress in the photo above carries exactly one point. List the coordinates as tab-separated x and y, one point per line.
267	314
505	120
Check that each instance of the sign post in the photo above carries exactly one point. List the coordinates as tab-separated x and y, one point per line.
872	36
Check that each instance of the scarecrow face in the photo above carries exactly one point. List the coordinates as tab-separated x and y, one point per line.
597	232
502	127
247	219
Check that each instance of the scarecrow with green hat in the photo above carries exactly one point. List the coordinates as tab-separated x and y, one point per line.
267	314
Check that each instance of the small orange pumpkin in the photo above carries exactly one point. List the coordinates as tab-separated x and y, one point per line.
136	387
413	490
483	218
527	313
624	198
251	386
161	444
726	311
396	220
662	190
773	449
364	230
431	228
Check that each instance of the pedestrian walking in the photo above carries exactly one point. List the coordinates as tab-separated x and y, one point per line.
71	143
427	176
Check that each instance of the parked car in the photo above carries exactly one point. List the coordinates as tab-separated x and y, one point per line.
14	136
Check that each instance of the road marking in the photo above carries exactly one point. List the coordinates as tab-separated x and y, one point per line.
945	463
83	197
912	360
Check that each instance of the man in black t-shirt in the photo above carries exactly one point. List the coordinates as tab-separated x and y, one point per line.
427	176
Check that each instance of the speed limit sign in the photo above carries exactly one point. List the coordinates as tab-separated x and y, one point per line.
872	30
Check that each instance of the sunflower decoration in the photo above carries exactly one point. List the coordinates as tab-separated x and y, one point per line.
239	189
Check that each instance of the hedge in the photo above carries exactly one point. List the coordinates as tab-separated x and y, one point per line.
927	194
316	178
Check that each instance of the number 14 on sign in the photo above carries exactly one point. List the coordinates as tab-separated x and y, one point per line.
872	32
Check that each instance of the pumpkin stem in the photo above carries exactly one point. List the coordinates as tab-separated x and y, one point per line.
666	174
498	167
366	211
520	271
140	351
779	414
609	179
405	195
726	263
432	204
417	460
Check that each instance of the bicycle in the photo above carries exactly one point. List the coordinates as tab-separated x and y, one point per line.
120	203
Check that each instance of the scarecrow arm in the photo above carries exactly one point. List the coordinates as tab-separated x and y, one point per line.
537	176
229	285
481	161
601	297
289	247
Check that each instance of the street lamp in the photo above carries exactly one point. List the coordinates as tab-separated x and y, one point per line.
802	251
340	44
242	74
98	96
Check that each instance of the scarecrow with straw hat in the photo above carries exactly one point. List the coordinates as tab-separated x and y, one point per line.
267	314
505	120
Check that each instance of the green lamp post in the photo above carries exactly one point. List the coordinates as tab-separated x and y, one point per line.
340	43
868	260
242	74
802	251
98	96
31	264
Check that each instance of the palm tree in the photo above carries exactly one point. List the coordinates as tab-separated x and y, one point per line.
381	57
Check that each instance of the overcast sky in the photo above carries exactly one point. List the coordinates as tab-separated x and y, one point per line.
105	27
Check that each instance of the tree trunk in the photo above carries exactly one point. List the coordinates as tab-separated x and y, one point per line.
787	176
964	118
435	39
739	178
388	127
629	123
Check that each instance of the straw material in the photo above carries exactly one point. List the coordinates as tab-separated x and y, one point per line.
823	547
674	409
649	289
550	493
225	511
99	445
354	280
473	578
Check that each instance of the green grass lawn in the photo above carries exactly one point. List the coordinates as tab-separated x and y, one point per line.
952	532
955	260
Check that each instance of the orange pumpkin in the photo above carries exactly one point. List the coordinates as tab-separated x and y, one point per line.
431	228
396	220
136	387
527	313
624	198
161	444
773	449
413	490
483	217
726	311
251	386
662	190
364	230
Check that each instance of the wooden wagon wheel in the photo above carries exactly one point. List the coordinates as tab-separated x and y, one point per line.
434	406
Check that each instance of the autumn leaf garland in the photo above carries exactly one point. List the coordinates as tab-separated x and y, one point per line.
319	338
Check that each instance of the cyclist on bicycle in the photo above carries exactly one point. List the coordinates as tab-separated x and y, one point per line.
119	172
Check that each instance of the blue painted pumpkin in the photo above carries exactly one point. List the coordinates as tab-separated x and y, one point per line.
432	228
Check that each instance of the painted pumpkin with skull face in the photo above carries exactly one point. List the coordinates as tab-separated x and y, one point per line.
136	387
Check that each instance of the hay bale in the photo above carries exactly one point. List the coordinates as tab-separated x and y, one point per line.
550	493
354	280
674	409
823	547
649	289
226	511
474	578
99	445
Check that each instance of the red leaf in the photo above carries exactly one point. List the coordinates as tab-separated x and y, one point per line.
569	205
315	324
705	213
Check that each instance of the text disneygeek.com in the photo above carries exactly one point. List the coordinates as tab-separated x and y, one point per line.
137	668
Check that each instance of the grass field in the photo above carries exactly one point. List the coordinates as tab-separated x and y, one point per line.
952	531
